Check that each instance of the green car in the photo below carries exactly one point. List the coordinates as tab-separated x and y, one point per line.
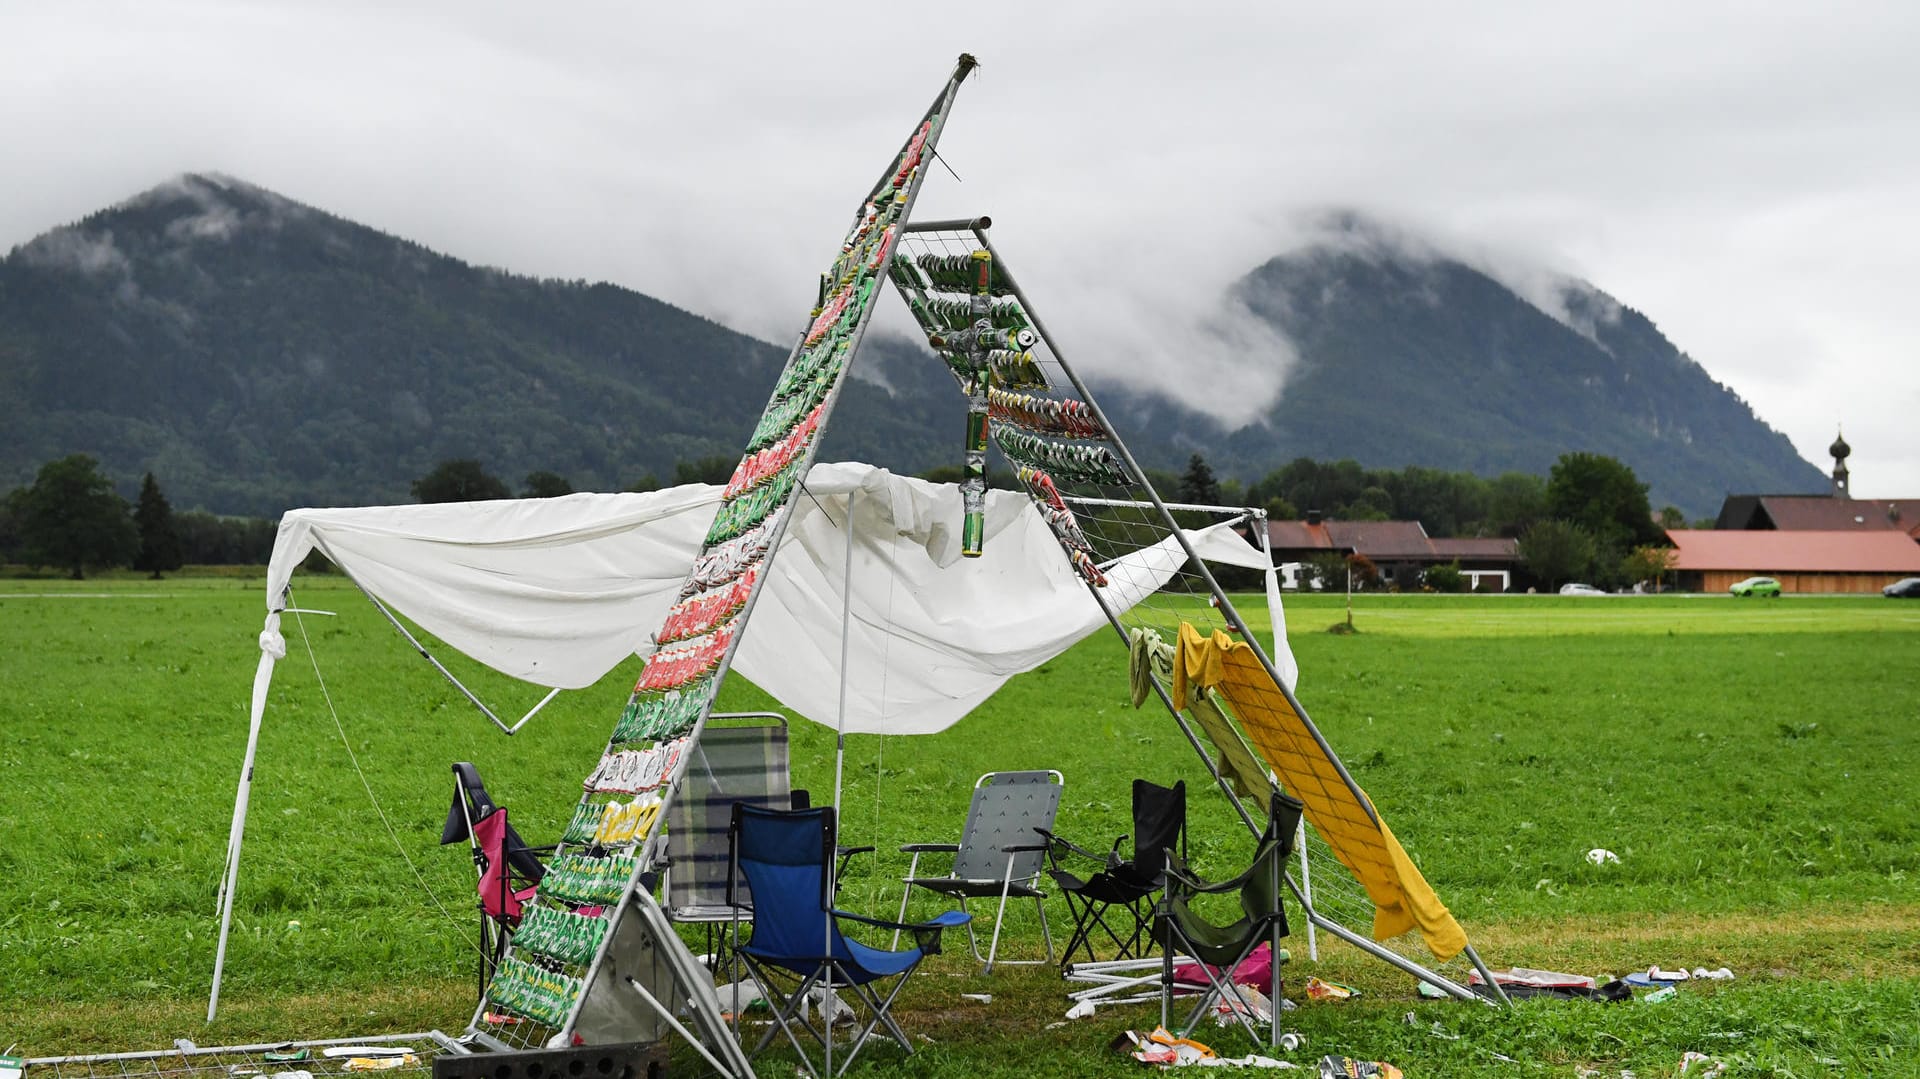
1756	586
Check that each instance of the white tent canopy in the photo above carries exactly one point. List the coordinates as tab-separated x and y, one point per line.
559	591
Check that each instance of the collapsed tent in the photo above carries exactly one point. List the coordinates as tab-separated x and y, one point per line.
559	591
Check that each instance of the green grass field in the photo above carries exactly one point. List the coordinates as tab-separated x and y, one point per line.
1753	765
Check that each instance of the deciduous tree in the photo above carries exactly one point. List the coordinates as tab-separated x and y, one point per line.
459	480
1557	551
71	517
1604	497
544	484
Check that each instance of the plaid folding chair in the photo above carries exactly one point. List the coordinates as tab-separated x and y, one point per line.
1000	853
798	944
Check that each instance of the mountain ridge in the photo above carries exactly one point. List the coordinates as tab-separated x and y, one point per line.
257	354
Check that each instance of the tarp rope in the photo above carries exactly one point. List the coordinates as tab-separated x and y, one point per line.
313	659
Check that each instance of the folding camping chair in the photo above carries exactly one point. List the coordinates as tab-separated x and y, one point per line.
999	853
797	940
509	870
1159	826
740	758
1221	949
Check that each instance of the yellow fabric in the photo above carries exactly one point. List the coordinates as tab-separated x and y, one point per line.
1401	898
1150	657
1199	663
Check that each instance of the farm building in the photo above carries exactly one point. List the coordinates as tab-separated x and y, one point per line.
1401	550
1830	560
1819	513
1835	511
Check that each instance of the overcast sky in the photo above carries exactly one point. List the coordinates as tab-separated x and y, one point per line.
1748	176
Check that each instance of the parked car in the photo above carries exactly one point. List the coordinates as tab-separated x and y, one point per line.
1575	588
1905	588
1756	586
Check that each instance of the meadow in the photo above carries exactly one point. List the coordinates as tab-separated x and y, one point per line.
1751	763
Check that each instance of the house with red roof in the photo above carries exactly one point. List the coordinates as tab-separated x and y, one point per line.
1401	550
1803	560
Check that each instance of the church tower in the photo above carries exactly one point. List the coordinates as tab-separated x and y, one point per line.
1840	449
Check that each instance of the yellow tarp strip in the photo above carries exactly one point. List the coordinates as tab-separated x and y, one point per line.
1401	897
1151	657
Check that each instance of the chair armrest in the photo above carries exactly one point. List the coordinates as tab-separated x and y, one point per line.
925	848
926	935
1191	884
1022	848
1061	845
848	852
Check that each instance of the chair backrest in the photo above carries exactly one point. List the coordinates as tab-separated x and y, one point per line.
783	856
1261	896
1159	825
1006	808
731	764
471	805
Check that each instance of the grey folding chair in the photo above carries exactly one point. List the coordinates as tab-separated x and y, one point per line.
1000	853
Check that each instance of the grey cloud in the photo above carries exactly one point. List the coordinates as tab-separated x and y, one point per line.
1745	176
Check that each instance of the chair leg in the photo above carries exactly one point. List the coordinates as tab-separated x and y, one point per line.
786	1013
906	890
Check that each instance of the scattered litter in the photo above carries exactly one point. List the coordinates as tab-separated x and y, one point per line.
366	1051
1435	1029
239	1071
1659	975
1291	1041
499	1019
1332	1067
1659	996
1545	979
1323	990
1602	856
287	1056
1056	1024
1256	969
379	1063
1080	1010
984	998
297	1073
12	1067
1167	1051
1640	979
1250	1001
1709	1068
1720	975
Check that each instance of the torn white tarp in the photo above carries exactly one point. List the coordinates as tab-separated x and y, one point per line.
559	591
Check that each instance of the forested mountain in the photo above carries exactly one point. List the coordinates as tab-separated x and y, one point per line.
1411	358
256	354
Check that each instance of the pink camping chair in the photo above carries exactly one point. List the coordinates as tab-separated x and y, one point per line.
509	870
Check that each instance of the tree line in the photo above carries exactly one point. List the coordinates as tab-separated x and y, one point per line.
72	518
1588	519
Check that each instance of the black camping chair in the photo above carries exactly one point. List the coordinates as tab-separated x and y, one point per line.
509	870
1219	949
1159	826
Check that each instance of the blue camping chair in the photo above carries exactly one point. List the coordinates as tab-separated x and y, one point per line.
784	857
